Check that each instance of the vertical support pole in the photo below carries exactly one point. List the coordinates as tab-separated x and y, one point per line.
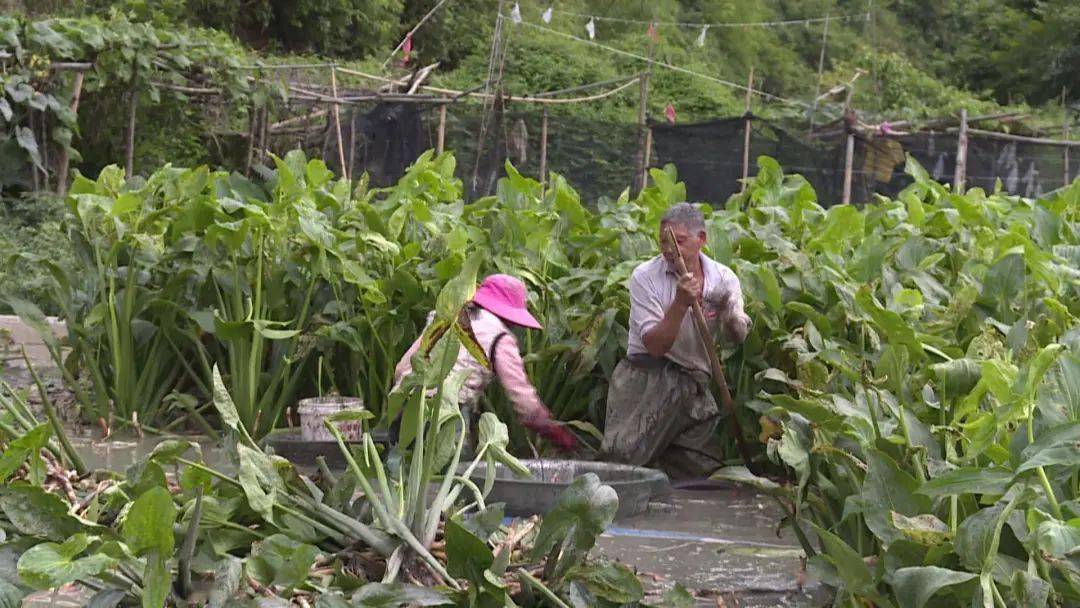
543	146
337	123
264	126
961	155
33	166
129	155
641	168
746	131
648	157
253	135
65	162
440	143
820	71
849	154
1065	135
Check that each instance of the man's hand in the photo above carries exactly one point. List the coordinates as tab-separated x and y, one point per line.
688	291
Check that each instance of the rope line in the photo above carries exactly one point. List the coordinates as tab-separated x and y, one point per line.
669	66
720	24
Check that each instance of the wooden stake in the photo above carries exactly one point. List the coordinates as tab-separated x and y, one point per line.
961	154
253	132
65	162
543	146
263	126
337	123
643	102
849	152
648	157
129	157
746	131
1065	135
441	141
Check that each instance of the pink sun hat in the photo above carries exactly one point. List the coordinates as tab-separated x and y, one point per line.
504	296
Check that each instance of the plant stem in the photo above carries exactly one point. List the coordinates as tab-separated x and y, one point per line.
1054	506
542	588
50	413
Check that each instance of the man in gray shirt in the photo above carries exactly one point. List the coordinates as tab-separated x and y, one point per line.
660	410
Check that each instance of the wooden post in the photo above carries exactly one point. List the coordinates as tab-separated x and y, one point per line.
746	131
648	157
441	141
961	155
337	123
129	156
543	146
253	135
643	132
1065	135
263	127
62	172
849	154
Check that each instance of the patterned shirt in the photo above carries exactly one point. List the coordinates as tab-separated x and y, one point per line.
652	290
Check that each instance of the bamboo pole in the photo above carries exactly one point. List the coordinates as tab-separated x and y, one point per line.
746	131
1065	136
253	126
129	151
337	123
1046	141
543	146
65	162
961	154
849	152
441	141
643	102
648	157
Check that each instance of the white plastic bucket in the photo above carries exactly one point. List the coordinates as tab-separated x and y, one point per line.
315	410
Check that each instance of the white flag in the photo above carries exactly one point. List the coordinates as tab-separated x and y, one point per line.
547	15
591	28
515	15
701	36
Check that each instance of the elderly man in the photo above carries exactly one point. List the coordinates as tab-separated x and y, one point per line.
660	409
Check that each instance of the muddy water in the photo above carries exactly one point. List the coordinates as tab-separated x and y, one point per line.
721	544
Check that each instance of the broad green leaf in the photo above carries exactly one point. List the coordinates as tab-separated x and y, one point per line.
975	537
915	586
584	510
458	291
849	565
51	565
27	448
280	560
610	581
1059	446
1030	591
968	480
923	529
740	474
956	378
148	526
886	489
1058	539
34	512
467	555
10	595
223	403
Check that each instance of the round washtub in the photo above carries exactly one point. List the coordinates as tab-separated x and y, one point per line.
291	445
523	497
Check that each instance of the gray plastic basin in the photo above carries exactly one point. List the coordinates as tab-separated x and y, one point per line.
523	497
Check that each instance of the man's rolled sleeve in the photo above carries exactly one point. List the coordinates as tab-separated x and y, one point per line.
646	309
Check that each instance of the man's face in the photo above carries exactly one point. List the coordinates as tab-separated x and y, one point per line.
688	241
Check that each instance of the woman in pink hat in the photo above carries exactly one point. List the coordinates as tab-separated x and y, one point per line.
500	300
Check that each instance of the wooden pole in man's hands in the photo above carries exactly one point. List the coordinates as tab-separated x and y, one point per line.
714	360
